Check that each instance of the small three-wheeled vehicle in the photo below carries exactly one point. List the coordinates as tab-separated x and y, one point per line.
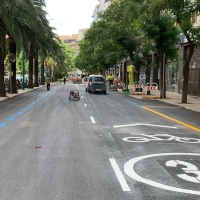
74	94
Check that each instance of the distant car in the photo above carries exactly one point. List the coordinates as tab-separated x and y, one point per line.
6	83
19	77
96	83
6	76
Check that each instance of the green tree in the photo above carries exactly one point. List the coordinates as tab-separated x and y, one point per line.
125	27
10	13
183	10
158	25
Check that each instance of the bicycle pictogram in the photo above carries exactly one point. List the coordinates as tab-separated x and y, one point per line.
160	137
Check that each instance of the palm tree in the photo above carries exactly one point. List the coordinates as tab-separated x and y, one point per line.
11	12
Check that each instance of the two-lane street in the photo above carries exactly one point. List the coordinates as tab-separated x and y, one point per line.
101	147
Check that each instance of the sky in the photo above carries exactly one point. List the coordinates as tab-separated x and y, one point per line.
67	16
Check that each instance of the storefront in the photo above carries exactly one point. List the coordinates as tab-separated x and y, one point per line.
172	76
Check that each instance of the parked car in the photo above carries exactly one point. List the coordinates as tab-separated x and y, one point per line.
6	76
96	83
19	77
6	83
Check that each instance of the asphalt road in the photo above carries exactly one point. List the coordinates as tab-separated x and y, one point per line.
103	147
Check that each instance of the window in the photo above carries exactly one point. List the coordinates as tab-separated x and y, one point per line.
97	79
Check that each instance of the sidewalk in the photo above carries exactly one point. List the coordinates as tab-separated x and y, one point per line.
193	102
20	91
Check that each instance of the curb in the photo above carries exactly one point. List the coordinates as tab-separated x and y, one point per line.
8	96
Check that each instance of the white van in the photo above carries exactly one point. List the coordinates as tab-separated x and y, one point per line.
6	76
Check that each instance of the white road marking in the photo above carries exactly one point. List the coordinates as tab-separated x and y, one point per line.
85	104
189	168
159	137
92	119
111	136
139	124
119	175
130	171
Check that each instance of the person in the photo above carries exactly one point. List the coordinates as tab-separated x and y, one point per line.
110	78
48	80
64	80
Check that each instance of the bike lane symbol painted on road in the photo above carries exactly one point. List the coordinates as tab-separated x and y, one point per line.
187	167
140	138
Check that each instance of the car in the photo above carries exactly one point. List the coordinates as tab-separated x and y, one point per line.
6	76
96	83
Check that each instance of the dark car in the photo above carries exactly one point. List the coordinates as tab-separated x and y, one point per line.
96	83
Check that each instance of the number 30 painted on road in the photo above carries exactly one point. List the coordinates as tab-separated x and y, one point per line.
189	169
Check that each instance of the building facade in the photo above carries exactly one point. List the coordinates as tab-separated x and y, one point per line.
70	40
103	5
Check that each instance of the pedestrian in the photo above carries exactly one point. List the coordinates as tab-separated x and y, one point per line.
48	80
64	80
111	78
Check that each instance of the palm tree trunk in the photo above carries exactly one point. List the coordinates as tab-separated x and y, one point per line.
42	71
2	86
36	84
30	73
12	47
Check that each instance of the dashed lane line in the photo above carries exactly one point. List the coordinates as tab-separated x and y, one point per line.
92	119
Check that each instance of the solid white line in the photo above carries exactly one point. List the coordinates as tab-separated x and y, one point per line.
120	176
92	119
120	126
159	126
85	104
